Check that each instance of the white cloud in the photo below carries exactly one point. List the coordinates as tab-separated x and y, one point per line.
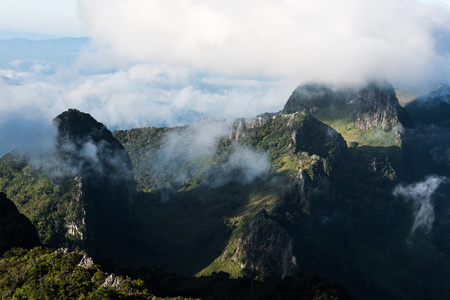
330	40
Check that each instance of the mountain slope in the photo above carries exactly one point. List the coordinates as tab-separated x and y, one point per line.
15	229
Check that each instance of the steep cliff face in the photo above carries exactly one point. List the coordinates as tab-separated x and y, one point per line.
376	106
265	248
15	229
357	113
241	127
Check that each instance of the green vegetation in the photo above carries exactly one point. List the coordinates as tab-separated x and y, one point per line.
376	137
297	142
50	204
140	144
42	273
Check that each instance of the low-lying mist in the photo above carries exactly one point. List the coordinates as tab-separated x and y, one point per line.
190	155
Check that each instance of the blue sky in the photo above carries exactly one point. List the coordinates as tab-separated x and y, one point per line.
154	62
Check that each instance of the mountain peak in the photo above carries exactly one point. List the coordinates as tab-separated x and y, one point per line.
359	113
74	124
311	96
90	147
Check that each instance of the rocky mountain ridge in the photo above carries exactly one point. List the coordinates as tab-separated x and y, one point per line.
265	196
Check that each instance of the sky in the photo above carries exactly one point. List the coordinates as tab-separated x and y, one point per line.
48	18
167	63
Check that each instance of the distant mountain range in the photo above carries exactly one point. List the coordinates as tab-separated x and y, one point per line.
343	181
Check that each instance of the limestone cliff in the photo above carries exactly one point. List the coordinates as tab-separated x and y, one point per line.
265	248
368	115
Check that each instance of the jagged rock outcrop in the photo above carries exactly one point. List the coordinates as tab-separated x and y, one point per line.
240	127
86	262
16	230
112	281
376	106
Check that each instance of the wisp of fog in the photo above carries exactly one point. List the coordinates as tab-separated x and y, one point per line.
420	194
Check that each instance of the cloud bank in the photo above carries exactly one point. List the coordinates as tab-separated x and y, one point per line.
403	41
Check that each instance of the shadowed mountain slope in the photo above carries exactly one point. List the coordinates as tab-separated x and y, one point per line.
15	229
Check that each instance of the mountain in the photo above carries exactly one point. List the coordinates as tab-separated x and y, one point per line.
365	115
339	183
79	194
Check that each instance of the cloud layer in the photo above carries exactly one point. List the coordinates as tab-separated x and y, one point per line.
404	41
